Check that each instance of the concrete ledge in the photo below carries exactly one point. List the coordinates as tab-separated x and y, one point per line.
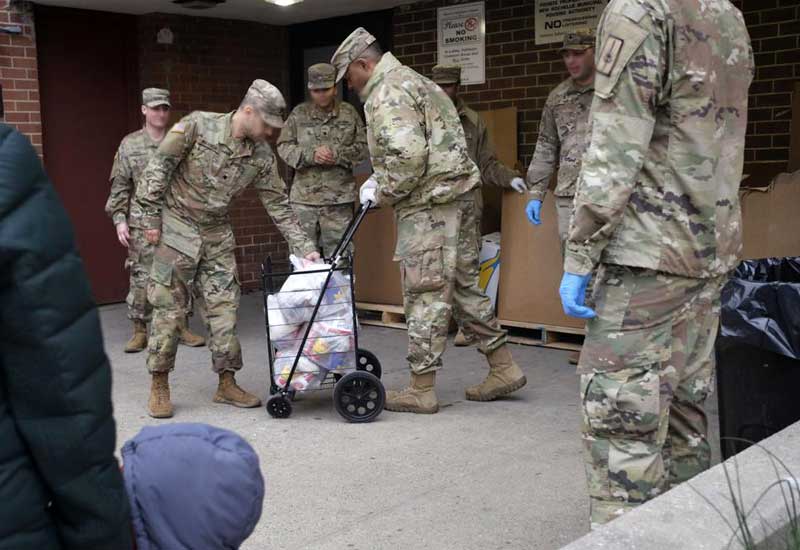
681	518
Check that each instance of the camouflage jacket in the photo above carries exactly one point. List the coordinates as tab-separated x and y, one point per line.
309	127
198	170
419	153
481	150
132	156
660	180
562	139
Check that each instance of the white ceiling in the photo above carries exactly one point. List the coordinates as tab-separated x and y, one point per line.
249	10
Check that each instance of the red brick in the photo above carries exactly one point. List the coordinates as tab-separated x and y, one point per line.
28	106
8	72
17	117
25	84
15	95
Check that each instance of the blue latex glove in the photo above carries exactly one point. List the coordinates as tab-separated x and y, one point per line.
533	211
573	296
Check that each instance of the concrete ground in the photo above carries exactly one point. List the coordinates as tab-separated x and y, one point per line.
482	476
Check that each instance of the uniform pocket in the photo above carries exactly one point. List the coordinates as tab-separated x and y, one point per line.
625	402
161	272
424	271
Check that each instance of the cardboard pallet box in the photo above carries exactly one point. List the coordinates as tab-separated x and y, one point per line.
377	276
531	271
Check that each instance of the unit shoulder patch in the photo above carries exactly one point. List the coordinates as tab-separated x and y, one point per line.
609	55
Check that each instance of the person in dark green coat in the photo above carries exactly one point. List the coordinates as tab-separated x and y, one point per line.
60	485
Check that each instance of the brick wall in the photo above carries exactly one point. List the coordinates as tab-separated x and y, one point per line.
18	72
774	27
522	74
209	67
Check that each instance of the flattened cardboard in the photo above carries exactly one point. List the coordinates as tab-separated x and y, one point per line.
377	276
531	266
770	221
502	127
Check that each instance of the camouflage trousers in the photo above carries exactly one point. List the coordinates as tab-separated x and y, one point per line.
173	277
646	369
140	258
139	263
465	330
324	225
564	206
437	249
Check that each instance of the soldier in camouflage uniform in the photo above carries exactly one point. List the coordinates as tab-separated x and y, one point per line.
323	140
657	209
203	163
563	136
481	151
562	132
422	169
132	156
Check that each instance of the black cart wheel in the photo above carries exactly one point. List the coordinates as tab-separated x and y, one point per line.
367	361
279	406
359	397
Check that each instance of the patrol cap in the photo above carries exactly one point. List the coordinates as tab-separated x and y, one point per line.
349	50
578	40
268	101
321	76
446	74
155	97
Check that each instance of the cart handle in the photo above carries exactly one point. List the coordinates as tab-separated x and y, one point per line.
352	227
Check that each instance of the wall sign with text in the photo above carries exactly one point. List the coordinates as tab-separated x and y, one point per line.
461	33
555	18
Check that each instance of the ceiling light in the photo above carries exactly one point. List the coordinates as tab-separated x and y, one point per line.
283	3
198	4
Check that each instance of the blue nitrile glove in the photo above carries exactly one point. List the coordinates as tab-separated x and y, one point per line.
533	211
573	296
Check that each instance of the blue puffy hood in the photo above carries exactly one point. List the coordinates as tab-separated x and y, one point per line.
192	487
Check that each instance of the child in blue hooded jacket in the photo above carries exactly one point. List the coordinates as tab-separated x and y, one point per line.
192	487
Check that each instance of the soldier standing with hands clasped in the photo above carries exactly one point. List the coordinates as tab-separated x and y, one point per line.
323	141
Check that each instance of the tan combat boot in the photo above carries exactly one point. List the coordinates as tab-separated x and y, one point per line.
418	398
230	393
160	405
504	377
189	338
138	341
574	357
460	341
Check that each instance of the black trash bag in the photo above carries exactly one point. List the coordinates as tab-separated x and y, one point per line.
761	306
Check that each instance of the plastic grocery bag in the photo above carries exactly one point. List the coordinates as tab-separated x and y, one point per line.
301	291
331	346
307	376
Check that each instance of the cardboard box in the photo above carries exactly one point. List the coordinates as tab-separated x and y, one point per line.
377	276
532	267
770	220
502	127
489	258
